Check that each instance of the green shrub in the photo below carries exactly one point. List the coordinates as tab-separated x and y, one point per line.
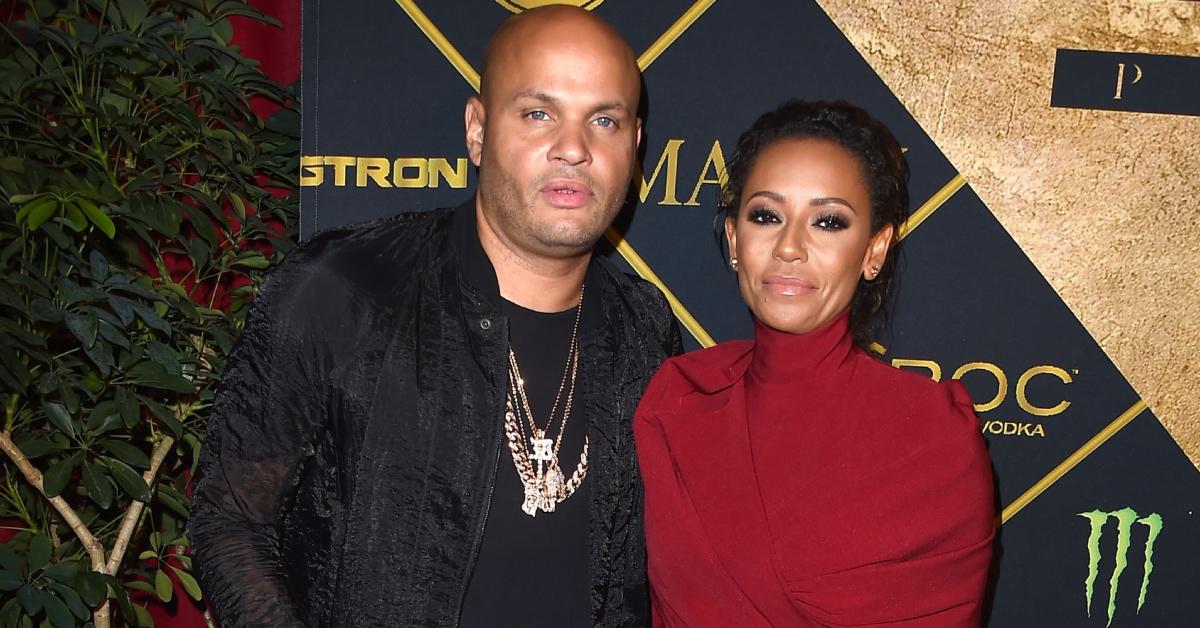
136	219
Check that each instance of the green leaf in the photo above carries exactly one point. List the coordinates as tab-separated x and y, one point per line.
100	413
111	422
239	205
252	259
122	307
128	406
60	616
10	580
100	354
189	583
134	12
75	218
9	559
82	327
155	376
128	479
95	481
164	356
162	85
113	334
38	447
153	320
74	602
98	217
62	572
42	309
29	600
126	453
59	473
92	587
36	205
56	233
171	502
144	618
58	415
41	213
39	552
96	259
13	364
141	585
10	613
163	586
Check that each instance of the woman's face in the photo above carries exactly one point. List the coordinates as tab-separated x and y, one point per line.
802	236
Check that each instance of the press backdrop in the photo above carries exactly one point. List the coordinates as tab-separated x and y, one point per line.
1097	499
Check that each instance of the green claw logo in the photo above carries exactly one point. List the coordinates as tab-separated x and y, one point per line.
1125	517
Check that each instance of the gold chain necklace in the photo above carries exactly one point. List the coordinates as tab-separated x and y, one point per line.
545	487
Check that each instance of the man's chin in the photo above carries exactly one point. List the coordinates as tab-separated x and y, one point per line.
573	243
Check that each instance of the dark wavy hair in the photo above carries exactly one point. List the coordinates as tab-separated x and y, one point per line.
884	170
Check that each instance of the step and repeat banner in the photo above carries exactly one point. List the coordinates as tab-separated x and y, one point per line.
1098	503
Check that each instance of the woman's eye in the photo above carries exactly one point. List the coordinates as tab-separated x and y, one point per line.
762	216
830	222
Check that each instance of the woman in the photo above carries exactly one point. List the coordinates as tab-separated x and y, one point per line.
794	480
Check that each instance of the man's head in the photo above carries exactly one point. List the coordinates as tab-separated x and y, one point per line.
554	130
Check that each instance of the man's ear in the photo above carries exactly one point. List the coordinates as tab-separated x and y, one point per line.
474	119
638	143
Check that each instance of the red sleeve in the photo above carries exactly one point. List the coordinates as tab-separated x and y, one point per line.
935	529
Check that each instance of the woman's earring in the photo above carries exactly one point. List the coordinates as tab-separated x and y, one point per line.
733	264
873	273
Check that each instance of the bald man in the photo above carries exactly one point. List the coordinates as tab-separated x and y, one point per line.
427	421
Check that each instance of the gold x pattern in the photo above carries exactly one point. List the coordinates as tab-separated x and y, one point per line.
626	250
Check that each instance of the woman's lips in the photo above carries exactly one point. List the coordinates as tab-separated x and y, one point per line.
566	193
792	286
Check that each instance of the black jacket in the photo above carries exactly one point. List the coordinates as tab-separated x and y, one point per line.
353	443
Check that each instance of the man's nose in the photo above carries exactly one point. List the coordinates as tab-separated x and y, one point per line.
571	146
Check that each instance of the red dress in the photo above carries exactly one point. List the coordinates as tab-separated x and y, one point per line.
796	481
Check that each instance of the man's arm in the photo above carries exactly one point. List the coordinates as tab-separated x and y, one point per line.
264	421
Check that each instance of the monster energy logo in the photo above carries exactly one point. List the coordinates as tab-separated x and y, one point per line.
1125	517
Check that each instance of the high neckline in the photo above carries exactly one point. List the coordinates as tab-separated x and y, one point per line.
782	357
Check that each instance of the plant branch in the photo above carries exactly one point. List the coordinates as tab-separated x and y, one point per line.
93	547
129	523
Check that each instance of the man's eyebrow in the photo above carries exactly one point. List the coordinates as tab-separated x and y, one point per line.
609	105
613	105
536	95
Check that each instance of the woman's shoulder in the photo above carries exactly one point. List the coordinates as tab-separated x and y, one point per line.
917	403
702	371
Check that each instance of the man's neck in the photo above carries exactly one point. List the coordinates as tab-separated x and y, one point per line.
539	283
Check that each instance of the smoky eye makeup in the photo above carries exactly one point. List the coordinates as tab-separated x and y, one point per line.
830	221
762	215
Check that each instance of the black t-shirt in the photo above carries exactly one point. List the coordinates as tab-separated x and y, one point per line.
533	571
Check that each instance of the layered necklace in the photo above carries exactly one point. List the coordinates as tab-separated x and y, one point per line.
534	451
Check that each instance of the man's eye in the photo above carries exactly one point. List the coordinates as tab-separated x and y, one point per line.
540	116
605	122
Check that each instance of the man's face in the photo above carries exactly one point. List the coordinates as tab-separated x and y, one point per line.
555	134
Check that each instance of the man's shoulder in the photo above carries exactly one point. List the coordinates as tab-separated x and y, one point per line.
373	241
641	292
354	262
